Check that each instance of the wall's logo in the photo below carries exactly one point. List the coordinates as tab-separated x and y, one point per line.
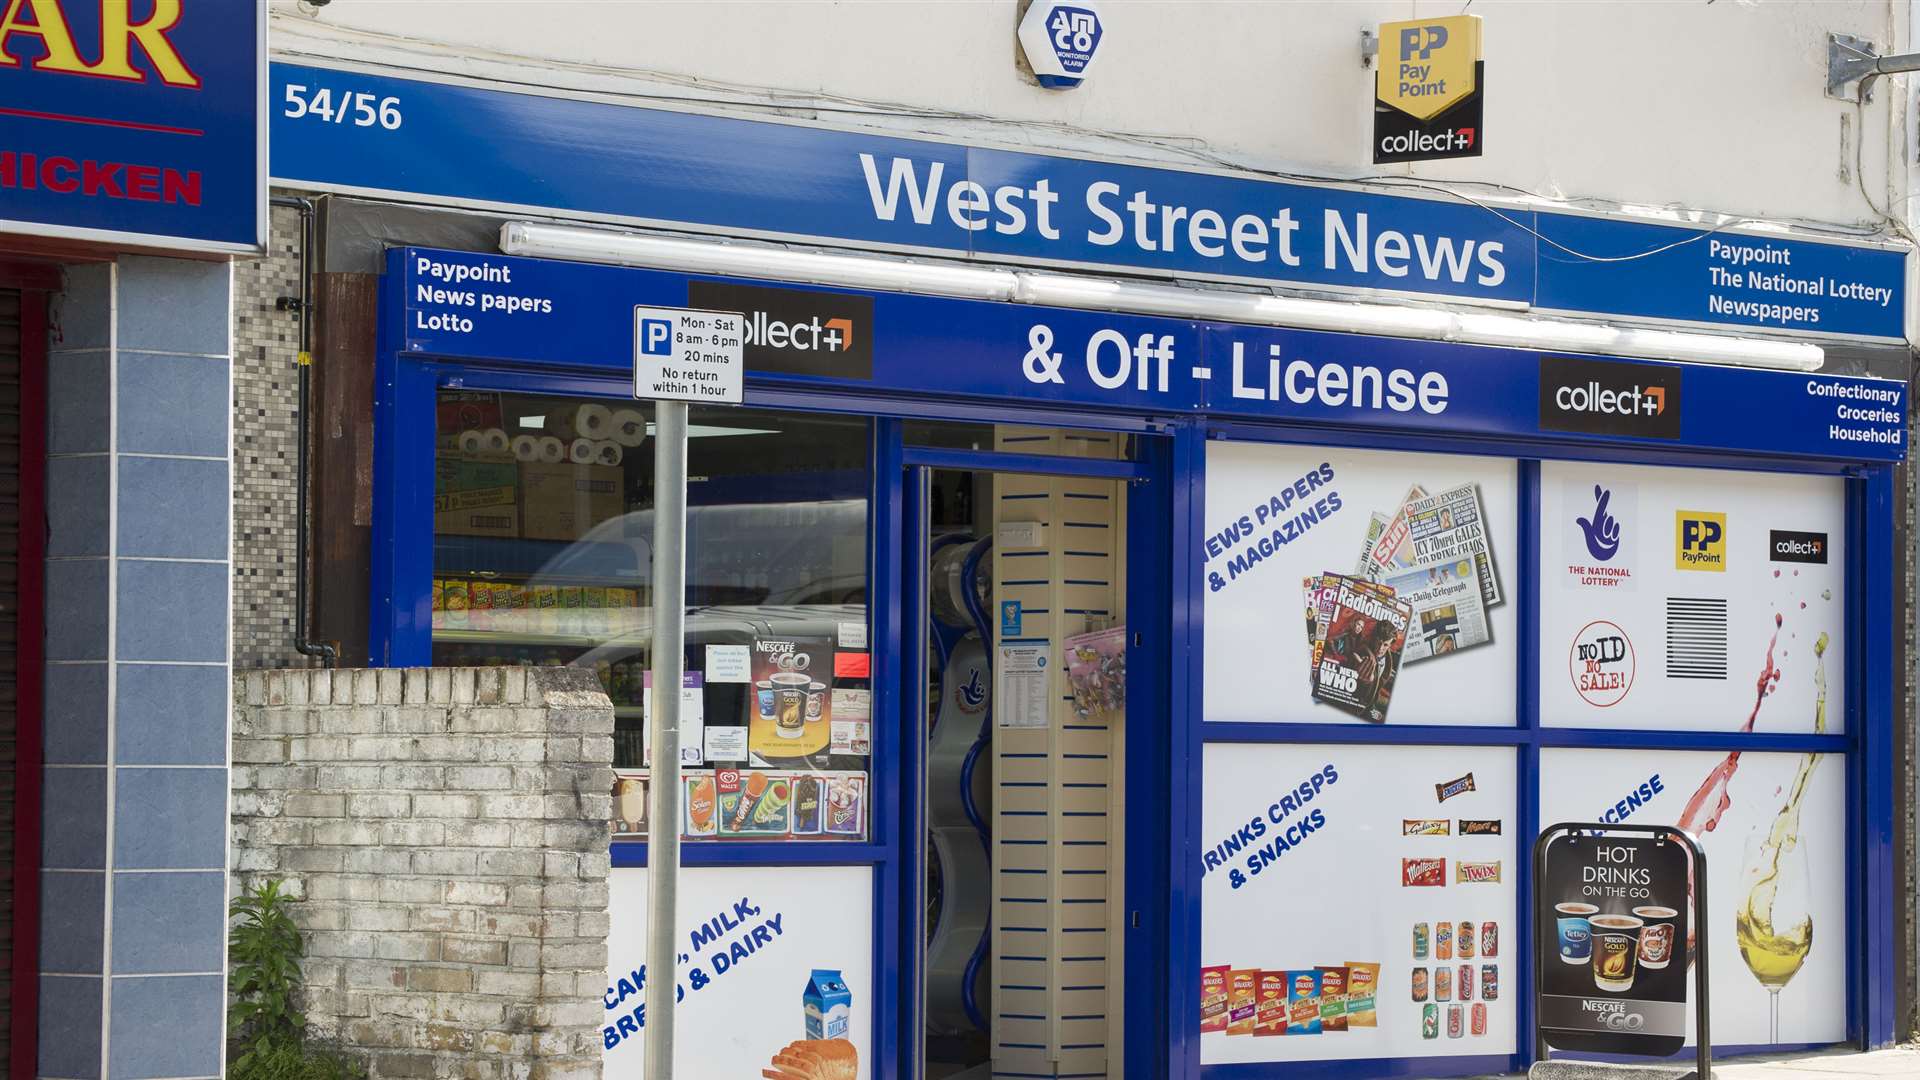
1699	540
1600	528
1061	41
1784	545
1601	663
46	42
1609	397
795	332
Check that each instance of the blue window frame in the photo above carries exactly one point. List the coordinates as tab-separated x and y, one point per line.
1162	946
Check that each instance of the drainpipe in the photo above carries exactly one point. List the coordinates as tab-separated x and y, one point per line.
302	308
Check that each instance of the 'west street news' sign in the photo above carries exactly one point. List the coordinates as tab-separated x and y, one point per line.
681	354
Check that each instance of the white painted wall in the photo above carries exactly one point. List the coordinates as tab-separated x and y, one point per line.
1647	104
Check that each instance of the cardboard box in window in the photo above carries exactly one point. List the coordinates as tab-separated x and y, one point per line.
564	501
475	497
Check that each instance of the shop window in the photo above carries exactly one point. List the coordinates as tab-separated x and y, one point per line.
543	531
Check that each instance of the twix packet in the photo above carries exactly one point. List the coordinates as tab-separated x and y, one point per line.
1243	985
1270	1008
1213	998
1363	981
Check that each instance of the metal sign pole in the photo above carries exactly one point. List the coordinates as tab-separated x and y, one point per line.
663	792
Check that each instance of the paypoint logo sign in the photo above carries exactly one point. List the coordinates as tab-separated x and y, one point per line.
1429	64
1428	90
1699	540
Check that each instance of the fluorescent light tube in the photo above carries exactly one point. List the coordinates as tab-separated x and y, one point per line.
887	274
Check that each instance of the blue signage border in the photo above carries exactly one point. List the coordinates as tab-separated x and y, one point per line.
455	143
506	309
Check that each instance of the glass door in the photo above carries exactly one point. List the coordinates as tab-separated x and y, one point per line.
1016	842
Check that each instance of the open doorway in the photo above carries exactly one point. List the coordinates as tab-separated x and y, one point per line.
1025	693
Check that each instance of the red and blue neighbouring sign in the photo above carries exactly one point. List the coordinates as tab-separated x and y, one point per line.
134	123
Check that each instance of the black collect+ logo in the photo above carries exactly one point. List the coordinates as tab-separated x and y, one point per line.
1609	397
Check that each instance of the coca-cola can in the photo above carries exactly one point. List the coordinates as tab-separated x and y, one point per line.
1479	1018
1465	983
1456	1021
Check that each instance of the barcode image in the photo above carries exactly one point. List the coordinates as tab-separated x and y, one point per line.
1696	638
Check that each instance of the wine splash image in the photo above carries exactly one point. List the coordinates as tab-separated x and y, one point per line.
1773	926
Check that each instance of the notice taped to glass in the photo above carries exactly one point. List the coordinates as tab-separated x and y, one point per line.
1613	922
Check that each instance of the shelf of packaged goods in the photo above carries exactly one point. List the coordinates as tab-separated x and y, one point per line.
505	639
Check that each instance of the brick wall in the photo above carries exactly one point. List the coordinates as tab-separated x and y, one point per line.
445	831
266	343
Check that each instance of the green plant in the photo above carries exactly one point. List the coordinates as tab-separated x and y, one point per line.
264	949
265	1027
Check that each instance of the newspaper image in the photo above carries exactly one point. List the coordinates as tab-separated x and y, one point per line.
1392	549
1321	591
1449	612
1451	526
1376	526
1361	657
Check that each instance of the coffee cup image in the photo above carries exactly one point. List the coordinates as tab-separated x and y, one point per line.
1576	931
790	704
1656	935
1616	951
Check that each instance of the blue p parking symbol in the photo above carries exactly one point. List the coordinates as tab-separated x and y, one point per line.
656	337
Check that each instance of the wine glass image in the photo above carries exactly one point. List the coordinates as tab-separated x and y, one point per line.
1774	925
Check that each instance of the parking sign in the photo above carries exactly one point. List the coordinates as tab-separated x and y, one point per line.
685	354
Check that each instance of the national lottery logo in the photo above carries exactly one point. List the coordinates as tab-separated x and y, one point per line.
1601	529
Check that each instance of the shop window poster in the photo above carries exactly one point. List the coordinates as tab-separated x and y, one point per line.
1399	563
770	981
1358	900
1691	599
1773	827
790	712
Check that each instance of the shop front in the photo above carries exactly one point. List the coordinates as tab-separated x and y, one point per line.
1097	678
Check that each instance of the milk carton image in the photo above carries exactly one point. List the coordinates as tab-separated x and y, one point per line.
829	1004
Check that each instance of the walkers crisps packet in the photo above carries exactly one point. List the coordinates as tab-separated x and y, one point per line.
1363	980
1242	993
1213	998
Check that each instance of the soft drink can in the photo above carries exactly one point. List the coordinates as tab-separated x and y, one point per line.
1456	1021
1420	984
1489	983
1443	984
1479	1018
1443	941
1466	982
1419	941
1430	1022
1489	940
1464	941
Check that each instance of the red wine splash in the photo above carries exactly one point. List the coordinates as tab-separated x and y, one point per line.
1695	818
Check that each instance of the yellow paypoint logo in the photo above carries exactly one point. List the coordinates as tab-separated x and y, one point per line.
1426	65
1699	540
